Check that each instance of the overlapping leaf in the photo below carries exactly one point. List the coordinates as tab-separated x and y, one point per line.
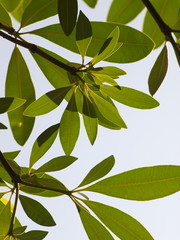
2	126
91	3
141	184
136	45
9	104
5	219
35	235
120	223
18	12
113	72
4	17
19	85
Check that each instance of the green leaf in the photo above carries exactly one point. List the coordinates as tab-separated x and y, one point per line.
19	84
107	110
94	229
158	72
4	17
38	10
121	224
2	183
141	184
35	235
69	126
10	5
47	102
91	3
9	104
2	126
108	46
57	164
43	143
36	212
99	171
15	167
11	155
83	34
67	11
168	10
90	120
5	219
104	78
136	45
130	97
123	11
113	72
57	76
17	13
20	230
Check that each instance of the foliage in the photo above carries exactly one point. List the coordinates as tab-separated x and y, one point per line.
89	91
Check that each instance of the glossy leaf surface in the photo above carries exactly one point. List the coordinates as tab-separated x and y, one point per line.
69	126
4	17
43	143
123	11
57	164
120	223
136	45
19	84
67	11
83	34
35	235
158	72
9	104
42	216
94	229
38	10
141	184
130	97
47	102
99	171
91	3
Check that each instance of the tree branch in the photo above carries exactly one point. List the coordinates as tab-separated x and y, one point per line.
165	29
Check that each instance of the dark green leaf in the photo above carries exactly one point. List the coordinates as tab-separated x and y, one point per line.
57	164
35	235
47	102
158	72
90	120
123	11
91	3
67	11
107	110
136	45
20	230
2	183
69	126
2	126
36	212
19	84
15	167
10	5
5	219
141	184
11	155
43	143
57	76
120	223
9	104
94	229
83	34
38	10
4	17
130	97
99	171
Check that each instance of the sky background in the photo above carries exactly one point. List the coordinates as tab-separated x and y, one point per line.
152	138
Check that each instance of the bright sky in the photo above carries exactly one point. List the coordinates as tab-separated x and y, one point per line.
152	138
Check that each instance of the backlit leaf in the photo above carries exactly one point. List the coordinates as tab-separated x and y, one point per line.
36	211
123	11
5	219
67	11
136	45
69	127
4	17
121	224
99	171
9	104
57	164
141	184
10	5
17	13
19	230
35	235
94	229
113	72
91	3
47	102
19	84
43	143
11	155
130	97
104	78
83	34
158	72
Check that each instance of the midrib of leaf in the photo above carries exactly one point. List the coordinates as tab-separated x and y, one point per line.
162	63
18	74
35	13
118	223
